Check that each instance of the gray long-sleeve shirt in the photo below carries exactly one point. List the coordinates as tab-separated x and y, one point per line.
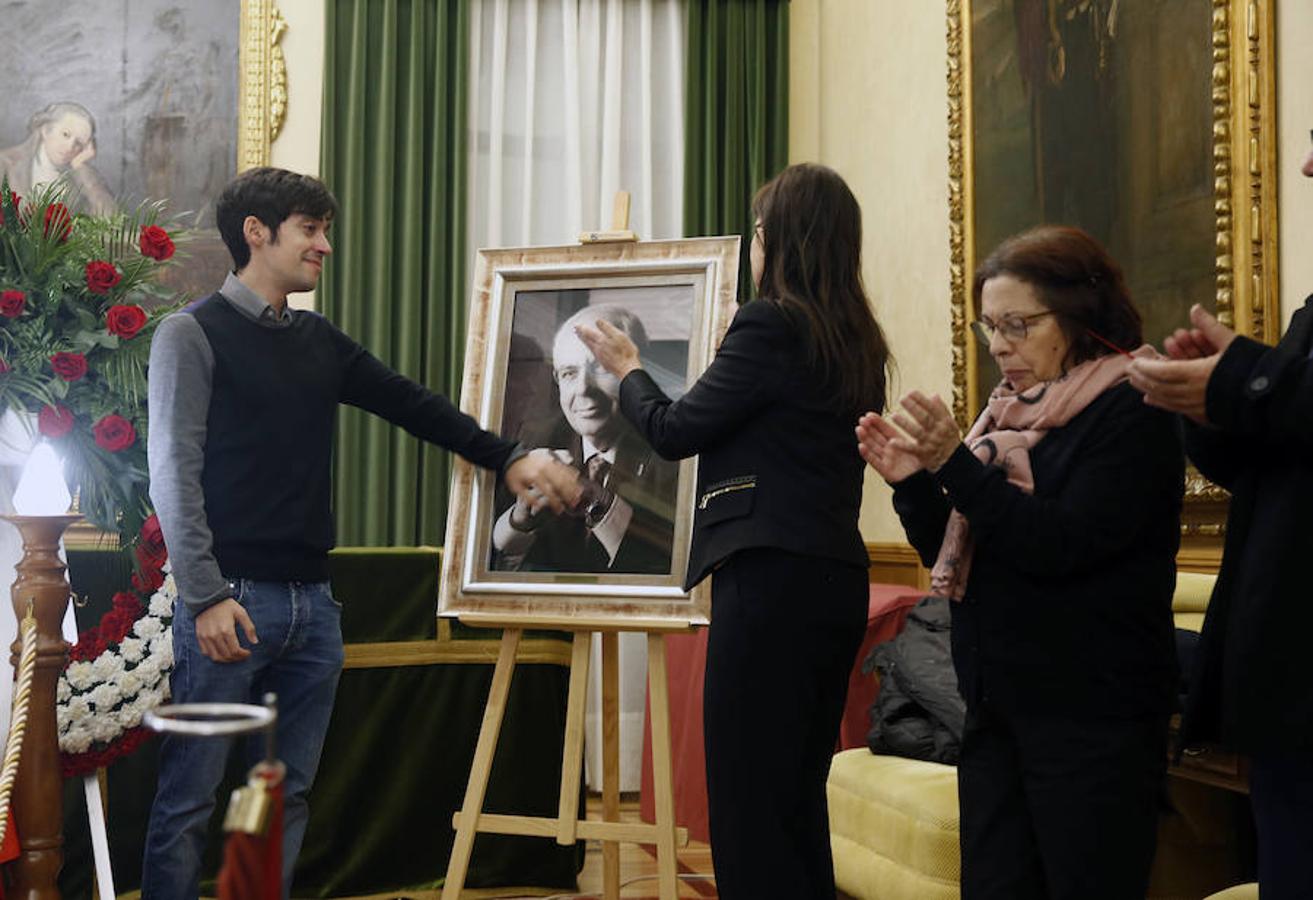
222	510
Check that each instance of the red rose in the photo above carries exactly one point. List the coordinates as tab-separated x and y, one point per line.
59	221
54	421
114	433
147	581
69	366
151	556
156	243
151	532
125	321
101	276
4	367
12	303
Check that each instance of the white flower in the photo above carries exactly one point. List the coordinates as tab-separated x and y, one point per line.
78	710
76	741
79	676
150	669
132	649
128	717
129	682
105	697
161	605
105	728
148	627
104	667
64	691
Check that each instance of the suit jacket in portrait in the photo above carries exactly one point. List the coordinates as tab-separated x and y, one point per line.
648	483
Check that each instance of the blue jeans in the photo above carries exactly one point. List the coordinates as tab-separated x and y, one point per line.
299	658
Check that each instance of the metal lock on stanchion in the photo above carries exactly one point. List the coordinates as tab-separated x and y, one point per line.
250	806
252	868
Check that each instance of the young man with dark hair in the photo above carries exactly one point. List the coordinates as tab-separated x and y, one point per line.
243	400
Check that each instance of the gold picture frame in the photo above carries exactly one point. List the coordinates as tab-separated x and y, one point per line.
1239	175
509	387
262	94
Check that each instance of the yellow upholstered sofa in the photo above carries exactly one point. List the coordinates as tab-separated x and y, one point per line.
894	821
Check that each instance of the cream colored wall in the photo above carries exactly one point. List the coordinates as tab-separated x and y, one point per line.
297	145
868	82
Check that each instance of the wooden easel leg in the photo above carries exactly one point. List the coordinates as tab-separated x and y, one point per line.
659	692
610	760
458	865
572	758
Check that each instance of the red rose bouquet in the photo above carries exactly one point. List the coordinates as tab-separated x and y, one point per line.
79	302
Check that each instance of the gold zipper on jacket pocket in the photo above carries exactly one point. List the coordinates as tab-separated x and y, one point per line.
712	495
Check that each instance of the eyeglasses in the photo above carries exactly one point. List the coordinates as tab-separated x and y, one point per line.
1013	327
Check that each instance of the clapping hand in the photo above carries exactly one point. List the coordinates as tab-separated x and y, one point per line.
925	438
1180	384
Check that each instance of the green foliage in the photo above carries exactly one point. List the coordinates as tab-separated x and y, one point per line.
44	254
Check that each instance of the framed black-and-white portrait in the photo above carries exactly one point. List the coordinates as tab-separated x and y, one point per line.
621	554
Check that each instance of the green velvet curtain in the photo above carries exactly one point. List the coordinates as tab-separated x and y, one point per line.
393	150
737	114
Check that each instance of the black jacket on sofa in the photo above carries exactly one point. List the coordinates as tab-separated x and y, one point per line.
919	712
1068	602
1250	687
778	466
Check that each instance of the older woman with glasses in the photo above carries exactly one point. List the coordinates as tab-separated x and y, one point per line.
1054	526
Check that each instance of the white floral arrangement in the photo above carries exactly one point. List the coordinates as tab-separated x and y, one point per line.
100	703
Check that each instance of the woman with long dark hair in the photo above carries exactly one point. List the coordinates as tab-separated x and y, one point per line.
779	488
1054	525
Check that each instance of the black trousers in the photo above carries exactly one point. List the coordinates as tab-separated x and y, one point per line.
1059	807
784	633
1281	792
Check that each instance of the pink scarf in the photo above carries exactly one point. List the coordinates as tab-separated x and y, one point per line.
1012	423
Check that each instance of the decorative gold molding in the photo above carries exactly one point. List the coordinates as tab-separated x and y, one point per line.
961	205
262	94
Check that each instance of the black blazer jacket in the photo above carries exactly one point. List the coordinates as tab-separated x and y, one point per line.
778	463
1251	687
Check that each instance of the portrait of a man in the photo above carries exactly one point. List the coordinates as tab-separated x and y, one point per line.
565	404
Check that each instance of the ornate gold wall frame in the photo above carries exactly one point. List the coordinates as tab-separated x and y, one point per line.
1240	210
262	97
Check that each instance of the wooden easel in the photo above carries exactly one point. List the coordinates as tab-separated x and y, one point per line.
566	827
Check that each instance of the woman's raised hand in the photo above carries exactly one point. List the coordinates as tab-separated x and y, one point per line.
875	439
929	430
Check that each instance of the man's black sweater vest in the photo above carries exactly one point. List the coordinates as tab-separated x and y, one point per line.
269	442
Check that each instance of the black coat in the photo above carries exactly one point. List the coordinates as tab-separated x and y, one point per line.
778	464
1251	686
919	711
1068	603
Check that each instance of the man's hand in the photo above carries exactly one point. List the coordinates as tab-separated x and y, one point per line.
1180	384
540	480
216	631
